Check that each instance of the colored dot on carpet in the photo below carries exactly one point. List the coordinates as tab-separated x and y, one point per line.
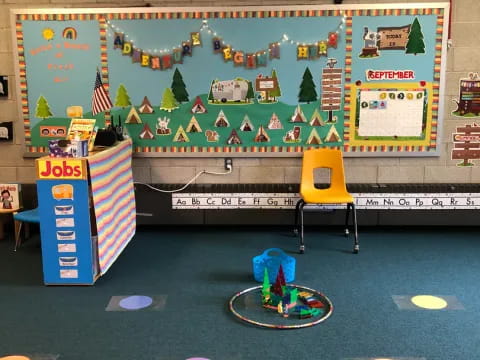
135	302
429	302
15	357
197	358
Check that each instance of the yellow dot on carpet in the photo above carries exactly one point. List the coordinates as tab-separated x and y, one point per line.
429	302
15	357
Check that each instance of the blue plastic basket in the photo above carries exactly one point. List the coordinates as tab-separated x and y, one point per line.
271	259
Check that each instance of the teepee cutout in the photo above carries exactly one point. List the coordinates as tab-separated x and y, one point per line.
246	124
181	135
314	138
133	117
316	119
212	135
146	133
233	138
262	135
332	135
222	120
146	107
298	116
193	126
198	107
293	136
275	122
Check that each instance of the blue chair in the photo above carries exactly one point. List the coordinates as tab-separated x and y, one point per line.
27	217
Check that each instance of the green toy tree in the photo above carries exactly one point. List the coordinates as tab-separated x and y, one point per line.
275	92
307	88
169	103
43	109
122	99
250	93
415	44
179	88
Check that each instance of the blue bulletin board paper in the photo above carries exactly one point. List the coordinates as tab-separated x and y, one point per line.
166	68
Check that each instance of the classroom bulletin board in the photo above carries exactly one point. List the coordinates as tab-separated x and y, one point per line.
251	81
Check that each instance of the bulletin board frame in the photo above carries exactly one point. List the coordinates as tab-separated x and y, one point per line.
344	20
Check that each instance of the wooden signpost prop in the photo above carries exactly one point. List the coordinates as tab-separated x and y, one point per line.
466	144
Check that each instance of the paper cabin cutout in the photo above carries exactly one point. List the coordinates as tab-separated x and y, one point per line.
180	135
133	117
233	138
314	138
146	107
316	119
298	116
193	126
221	120
198	107
332	135
275	122
246	124
146	133
262	135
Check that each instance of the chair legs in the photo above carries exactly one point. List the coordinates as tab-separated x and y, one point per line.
356	246
299	216
18	229
298	230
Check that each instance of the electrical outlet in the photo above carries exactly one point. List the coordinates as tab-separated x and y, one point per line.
228	164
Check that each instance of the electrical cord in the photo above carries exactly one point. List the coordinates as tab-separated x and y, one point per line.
229	171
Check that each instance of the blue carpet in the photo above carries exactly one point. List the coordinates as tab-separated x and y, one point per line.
201	268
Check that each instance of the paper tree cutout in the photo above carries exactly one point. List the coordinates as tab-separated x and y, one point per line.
181	135
314	138
221	120
307	88
193	126
146	133
178	87
146	107
162	126
415	44
277	92
168	101
233	138
298	116
293	136
278	287
198	107
246	124
43	109
122	99
212	136
262	135
332	135
133	117
316	119
275	122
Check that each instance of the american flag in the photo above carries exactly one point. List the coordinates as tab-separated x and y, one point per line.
100	99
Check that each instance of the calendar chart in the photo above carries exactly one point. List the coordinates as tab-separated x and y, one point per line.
391	112
383	113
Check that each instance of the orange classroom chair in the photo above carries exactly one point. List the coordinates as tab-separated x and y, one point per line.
335	194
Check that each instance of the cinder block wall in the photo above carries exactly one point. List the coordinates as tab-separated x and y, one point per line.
463	57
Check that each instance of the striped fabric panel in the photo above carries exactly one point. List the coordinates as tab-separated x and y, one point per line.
114	201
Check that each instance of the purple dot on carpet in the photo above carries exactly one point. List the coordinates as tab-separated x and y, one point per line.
135	302
197	358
